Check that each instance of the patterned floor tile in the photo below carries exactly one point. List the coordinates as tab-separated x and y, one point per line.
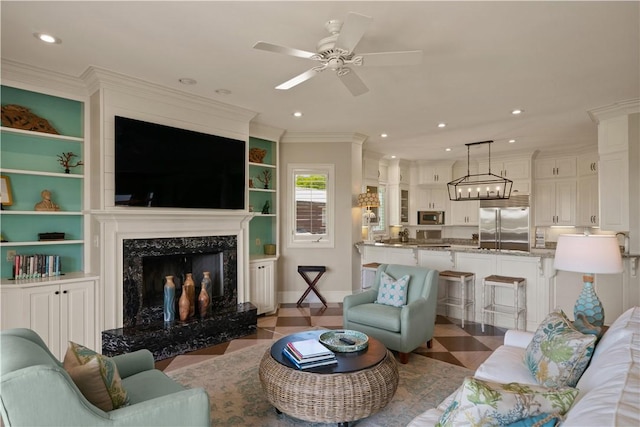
467	347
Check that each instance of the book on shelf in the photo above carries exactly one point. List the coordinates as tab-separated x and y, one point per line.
308	348
36	266
325	361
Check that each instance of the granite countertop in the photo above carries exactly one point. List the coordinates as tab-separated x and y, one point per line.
466	247
456	246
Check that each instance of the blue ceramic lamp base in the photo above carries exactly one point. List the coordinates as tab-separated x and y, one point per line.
588	304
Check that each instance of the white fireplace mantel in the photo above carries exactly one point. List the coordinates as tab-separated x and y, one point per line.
110	229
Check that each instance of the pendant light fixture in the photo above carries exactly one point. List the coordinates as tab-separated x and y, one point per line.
482	186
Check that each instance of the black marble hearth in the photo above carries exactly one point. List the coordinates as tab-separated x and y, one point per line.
168	340
145	264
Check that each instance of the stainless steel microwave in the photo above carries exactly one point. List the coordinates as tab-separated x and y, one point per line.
430	217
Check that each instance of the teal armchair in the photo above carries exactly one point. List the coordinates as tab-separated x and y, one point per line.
35	390
402	329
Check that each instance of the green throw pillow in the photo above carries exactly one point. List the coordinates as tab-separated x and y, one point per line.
393	292
558	354
485	403
96	376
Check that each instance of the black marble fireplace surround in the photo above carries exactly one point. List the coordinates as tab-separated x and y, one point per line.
145	263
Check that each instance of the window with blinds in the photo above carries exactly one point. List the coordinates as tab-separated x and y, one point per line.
311	205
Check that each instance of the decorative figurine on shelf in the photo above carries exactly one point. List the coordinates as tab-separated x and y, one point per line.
265	208
46	204
265	178
65	161
19	117
256	155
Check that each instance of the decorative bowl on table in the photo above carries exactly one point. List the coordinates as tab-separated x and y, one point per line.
344	341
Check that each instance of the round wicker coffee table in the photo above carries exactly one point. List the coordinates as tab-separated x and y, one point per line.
360	385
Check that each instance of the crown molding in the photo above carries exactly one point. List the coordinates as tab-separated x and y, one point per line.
260	130
28	77
323	138
98	78
621	108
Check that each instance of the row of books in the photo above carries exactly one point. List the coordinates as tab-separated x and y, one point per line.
309	354
36	266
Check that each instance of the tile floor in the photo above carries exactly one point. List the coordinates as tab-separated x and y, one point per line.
467	347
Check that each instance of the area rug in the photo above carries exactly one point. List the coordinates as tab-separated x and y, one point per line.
237	398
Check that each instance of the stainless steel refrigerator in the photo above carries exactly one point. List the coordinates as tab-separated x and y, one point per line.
504	224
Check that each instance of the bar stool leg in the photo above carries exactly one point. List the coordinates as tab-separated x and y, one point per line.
482	311
464	299
516	303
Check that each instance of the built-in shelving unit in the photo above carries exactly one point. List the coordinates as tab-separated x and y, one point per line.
30	161
263	228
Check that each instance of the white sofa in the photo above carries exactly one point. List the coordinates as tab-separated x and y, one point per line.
609	389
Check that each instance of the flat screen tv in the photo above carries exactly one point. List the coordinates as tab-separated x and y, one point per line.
166	167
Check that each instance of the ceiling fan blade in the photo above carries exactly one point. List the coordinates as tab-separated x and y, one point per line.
352	31
300	78
270	47
353	82
381	59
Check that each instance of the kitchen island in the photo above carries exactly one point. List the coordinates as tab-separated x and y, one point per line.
546	288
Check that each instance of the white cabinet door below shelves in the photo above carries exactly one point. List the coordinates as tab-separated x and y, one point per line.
62	313
261	281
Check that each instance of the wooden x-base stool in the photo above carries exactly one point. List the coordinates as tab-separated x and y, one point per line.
311	285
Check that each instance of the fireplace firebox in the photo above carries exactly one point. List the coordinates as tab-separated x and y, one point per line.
146	263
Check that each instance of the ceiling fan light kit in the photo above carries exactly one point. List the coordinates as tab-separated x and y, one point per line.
482	186
336	52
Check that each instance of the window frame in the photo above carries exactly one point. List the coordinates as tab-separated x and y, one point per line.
297	240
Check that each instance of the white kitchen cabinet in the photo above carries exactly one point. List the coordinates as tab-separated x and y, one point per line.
521	187
588	201
59	313
383	172
405	174
555	202
588	164
262	285
371	168
561	167
434	173
513	169
464	213
614	197
398	193
432	199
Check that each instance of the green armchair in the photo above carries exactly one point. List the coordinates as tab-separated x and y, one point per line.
35	390
404	328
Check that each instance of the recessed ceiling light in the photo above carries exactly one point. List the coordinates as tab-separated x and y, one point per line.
297	114
393	157
47	38
187	81
447	149
442	125
223	91
517	111
511	141
383	135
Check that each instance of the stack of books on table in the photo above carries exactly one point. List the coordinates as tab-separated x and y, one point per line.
309	354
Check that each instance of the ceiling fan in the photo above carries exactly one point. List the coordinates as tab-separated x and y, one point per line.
336	52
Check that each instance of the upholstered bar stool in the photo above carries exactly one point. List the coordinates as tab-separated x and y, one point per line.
489	306
465	300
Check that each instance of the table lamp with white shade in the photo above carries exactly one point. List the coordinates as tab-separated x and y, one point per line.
368	201
588	254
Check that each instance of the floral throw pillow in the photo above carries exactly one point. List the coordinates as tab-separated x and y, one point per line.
393	292
485	403
96	376
558	354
